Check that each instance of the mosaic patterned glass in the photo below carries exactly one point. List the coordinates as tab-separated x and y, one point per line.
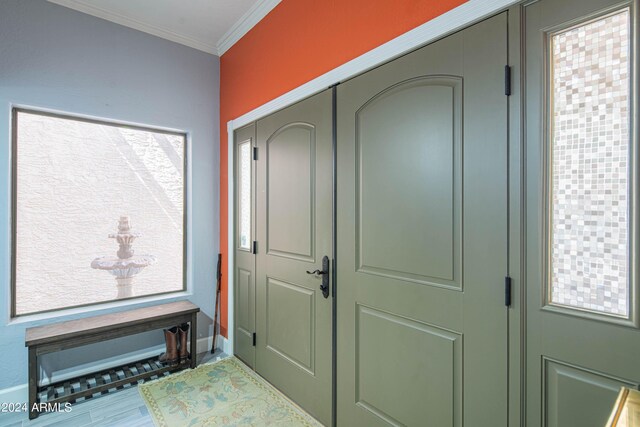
590	166
244	185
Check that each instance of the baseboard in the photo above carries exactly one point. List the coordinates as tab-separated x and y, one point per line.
16	394
204	345
20	393
225	345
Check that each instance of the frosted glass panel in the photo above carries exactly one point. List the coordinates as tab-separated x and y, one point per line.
244	194
99	212
590	166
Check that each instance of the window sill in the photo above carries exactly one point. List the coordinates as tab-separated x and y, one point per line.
80	312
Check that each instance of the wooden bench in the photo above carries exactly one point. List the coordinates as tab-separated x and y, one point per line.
74	333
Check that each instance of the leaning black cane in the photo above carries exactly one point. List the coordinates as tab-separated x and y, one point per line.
215	315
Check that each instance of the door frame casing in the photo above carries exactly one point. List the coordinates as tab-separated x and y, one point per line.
516	224
457	19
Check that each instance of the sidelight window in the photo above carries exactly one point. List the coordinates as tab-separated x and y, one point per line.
590	166
244	194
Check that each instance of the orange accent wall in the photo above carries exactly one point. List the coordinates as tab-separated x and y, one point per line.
296	42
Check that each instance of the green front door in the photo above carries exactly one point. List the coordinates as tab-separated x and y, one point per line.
422	236
582	337
294	213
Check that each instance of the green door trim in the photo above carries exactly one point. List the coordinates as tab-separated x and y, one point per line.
334	250
516	242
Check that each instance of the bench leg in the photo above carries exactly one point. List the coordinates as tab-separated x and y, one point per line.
33	383
194	339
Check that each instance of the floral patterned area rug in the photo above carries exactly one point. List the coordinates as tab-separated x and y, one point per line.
224	393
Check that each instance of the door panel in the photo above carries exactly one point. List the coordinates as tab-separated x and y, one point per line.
582	331
569	388
244	290
290	191
244	303
294	213
422	236
434	379
425	182
291	322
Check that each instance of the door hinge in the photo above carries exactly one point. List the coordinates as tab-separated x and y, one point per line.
507	80
254	339
255	153
254	247
507	291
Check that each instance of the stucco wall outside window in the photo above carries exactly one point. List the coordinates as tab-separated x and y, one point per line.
76	182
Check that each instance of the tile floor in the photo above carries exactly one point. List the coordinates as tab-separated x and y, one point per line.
124	408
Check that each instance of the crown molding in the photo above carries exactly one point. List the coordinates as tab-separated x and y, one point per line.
82	6
254	15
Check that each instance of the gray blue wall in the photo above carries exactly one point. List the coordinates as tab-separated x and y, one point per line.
55	58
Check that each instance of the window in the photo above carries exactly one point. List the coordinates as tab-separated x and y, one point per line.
98	212
244	194
590	166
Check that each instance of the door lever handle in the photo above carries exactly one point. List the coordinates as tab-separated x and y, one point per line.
324	273
316	272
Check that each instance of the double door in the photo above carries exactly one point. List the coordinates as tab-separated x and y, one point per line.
420	231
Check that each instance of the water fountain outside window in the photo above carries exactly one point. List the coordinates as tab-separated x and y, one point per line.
126	265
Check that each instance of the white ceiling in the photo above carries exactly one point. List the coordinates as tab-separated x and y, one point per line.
212	26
